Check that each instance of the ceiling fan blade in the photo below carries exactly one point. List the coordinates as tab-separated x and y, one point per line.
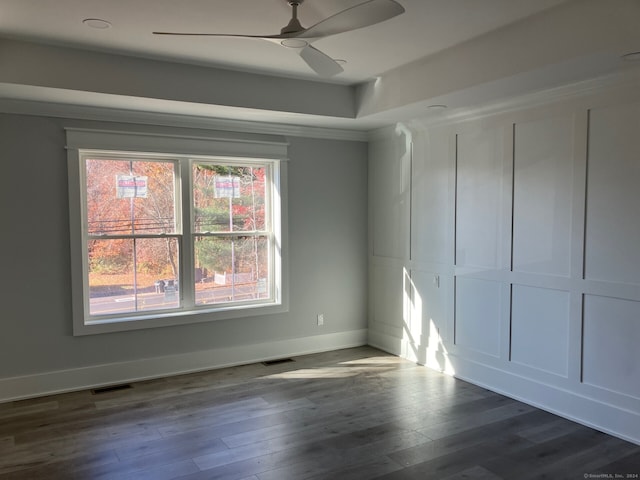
359	16
193	34
320	62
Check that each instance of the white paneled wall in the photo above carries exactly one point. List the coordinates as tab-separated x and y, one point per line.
540	329
479	198
390	173
506	250
611	353
543	188
613	194
478	316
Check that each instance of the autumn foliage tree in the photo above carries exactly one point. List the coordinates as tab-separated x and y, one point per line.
109	217
240	211
114	220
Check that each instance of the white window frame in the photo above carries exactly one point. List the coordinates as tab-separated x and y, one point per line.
184	150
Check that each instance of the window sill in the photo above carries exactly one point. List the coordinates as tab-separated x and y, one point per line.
175	318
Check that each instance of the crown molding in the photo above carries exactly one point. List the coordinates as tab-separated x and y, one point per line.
618	81
167	119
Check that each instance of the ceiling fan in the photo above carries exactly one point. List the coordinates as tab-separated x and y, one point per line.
295	36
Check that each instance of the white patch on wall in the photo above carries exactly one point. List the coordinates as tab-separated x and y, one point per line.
613	195
540	329
611	357
543	192
479	198
478	315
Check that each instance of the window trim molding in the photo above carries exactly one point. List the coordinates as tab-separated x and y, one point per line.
233	146
260	146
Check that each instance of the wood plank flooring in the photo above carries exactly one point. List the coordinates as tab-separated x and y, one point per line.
350	414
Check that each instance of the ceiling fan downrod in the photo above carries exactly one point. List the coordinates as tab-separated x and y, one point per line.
294	25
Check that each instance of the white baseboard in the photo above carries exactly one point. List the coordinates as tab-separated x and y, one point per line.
48	383
386	343
574	406
569	404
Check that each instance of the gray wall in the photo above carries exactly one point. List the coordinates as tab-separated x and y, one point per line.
327	238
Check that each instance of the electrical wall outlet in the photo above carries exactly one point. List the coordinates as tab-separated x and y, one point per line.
320	319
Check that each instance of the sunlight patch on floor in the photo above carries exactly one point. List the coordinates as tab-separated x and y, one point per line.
325	372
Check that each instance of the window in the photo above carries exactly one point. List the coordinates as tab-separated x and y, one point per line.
161	232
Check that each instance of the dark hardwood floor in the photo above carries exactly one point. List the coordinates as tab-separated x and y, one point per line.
349	414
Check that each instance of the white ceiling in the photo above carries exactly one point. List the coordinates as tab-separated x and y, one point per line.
427	26
457	52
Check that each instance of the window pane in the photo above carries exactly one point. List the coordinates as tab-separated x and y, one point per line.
133	275
231	269
130	197
228	198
